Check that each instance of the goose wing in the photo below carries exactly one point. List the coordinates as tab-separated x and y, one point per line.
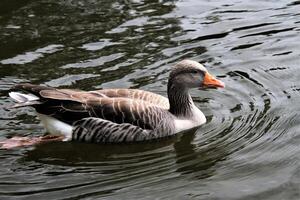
135	94
71	105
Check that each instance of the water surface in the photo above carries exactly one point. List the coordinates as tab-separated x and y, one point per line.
250	146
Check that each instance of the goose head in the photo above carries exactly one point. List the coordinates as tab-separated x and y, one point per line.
191	74
185	75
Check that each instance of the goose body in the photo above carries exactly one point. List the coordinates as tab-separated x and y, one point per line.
120	115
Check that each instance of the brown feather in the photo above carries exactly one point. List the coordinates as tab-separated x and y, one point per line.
150	97
117	105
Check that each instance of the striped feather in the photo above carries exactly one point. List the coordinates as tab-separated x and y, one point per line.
98	130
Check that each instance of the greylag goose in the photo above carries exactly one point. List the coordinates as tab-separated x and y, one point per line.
118	115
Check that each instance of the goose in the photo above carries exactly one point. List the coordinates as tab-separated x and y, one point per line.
117	115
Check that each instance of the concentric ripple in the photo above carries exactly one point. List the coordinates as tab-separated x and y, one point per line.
248	149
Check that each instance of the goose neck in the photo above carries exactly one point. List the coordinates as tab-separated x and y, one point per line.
180	101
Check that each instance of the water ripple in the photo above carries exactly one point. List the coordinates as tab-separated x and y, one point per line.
249	147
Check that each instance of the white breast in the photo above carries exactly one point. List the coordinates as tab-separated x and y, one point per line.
197	119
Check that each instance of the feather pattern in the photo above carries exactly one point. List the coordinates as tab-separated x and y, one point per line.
98	130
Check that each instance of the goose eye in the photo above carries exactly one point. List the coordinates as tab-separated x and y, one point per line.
194	71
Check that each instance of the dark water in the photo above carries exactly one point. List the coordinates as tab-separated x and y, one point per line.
250	147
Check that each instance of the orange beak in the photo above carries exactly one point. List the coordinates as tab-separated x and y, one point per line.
210	81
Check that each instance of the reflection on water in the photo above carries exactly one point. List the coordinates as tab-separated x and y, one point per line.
248	149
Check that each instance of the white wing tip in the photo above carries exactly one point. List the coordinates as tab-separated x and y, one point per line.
16	96
21	98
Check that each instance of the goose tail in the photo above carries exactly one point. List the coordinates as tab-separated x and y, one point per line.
52	125
24	99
